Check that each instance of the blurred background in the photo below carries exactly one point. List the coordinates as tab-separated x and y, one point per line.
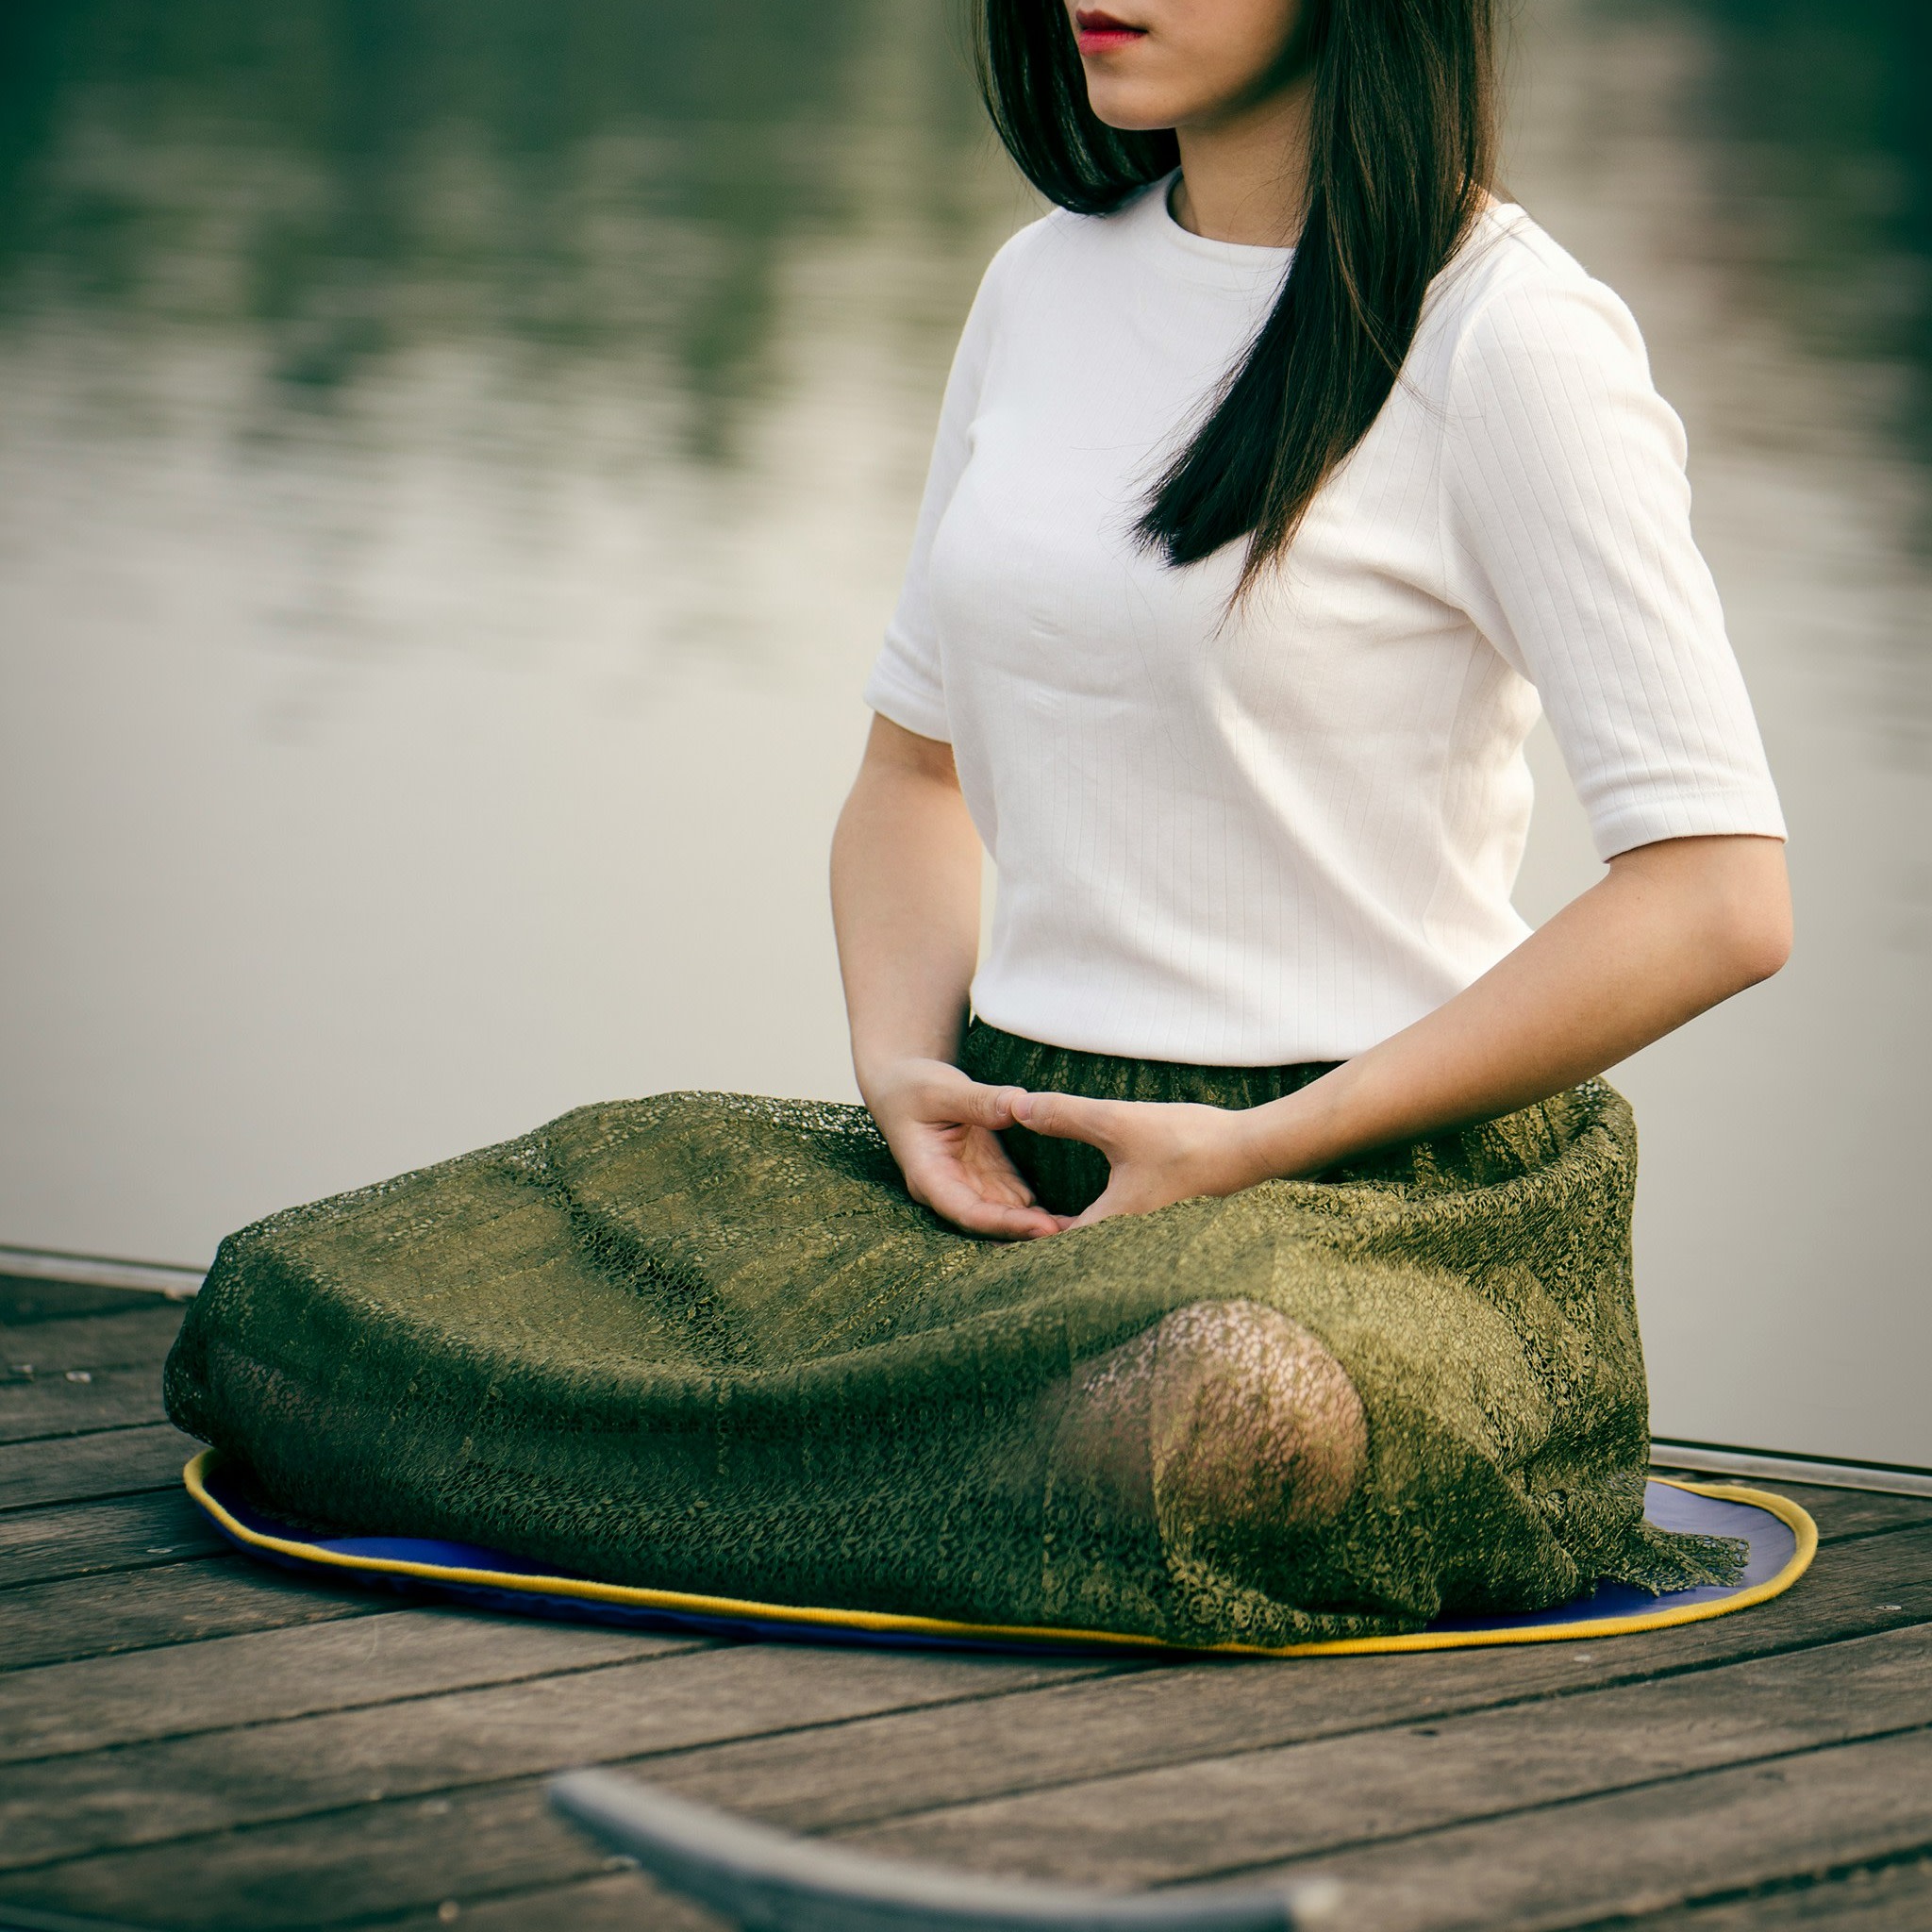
457	458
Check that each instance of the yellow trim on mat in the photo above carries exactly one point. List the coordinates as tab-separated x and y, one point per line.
887	1622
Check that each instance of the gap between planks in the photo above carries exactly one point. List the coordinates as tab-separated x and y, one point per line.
91	1465
108	1536
1890	1894
1636	1853
1680	1836
226	1780
174	1603
1384	1789
1865	1551
278	1676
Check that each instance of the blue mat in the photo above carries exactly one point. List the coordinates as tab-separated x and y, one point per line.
1782	1539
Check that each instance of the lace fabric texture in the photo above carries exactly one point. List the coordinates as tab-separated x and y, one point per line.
708	1342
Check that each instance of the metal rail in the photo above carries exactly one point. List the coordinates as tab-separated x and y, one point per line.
97	1271
1711	1459
764	1880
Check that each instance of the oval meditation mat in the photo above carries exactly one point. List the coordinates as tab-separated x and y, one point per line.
1782	1539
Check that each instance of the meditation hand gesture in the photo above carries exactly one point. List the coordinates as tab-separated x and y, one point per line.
943	1129
1159	1152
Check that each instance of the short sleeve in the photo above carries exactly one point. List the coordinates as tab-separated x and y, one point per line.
906	684
1568	516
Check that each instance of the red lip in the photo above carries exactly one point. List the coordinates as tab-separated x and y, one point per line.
1099	33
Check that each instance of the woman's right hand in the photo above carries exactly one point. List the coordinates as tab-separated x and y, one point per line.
905	869
943	1129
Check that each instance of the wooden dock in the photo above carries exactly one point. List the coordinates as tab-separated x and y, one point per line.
190	1741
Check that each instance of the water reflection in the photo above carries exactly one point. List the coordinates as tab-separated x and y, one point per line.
351	176
350	179
1824	167
454	465
455	460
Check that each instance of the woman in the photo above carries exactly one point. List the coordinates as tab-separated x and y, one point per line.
1243	1253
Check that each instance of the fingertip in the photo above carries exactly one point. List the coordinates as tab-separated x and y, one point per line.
1029	1223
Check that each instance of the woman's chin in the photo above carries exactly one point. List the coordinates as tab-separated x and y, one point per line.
1128	109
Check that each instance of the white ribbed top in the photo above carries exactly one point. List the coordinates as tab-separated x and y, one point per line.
1285	836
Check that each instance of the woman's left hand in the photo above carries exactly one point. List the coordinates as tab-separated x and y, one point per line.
1159	1152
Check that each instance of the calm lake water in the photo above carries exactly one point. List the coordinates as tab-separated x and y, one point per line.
456	460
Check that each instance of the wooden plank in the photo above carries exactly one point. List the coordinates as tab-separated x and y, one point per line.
324	1852
1888	1898
1151	1827
63	1808
916	1760
92	1341
1893	1898
616	1901
270	1676
924	1758
1639	1852
369	1861
78	1401
400	1861
87	1539
73	1469
173	1602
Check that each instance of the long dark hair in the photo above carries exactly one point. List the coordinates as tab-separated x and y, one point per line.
1402	145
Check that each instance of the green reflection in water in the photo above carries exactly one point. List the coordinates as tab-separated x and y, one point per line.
1819	112
350	177
581	178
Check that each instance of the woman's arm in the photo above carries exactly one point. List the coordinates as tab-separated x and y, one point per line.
1672	929
906	863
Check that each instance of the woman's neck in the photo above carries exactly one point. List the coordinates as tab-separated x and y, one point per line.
1244	175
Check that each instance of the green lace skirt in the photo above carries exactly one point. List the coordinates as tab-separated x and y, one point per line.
708	1342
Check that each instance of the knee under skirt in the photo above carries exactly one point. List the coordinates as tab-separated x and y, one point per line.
708	1342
